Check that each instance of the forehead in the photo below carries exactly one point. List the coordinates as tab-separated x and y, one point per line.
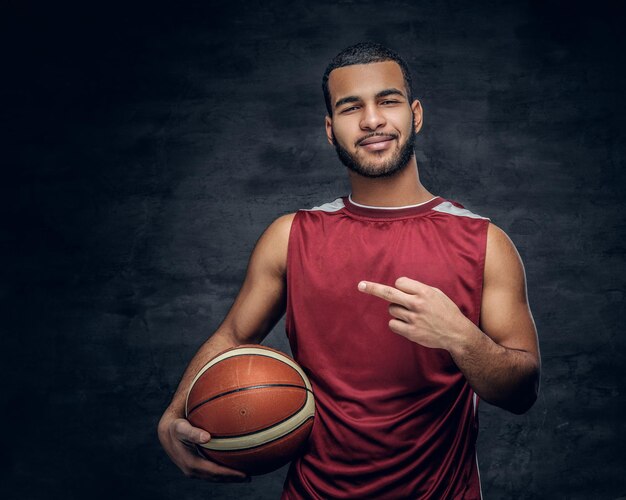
364	79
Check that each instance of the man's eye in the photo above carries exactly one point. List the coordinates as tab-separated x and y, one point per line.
349	109
389	102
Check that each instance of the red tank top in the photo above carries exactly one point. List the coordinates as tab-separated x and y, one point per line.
393	419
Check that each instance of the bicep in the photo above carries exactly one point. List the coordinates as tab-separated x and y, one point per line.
261	300
505	313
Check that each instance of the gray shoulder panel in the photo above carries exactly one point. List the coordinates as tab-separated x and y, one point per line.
332	206
448	208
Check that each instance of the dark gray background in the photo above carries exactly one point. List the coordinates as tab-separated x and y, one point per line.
149	146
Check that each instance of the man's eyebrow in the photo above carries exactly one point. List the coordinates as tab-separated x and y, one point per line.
382	93
345	100
386	92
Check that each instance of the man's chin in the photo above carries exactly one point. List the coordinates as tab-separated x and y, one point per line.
373	165
373	170
379	174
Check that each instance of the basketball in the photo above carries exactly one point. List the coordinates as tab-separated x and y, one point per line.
258	406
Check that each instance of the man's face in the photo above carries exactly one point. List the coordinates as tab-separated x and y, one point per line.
373	126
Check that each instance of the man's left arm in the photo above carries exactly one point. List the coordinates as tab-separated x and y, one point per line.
500	360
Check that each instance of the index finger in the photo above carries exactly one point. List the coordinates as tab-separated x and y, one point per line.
385	292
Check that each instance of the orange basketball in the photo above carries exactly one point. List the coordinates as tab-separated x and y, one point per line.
258	406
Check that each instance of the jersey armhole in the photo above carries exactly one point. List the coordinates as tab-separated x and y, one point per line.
480	278
290	257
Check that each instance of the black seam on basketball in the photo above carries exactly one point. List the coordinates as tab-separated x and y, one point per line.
264	356
221	436
241	389
263	444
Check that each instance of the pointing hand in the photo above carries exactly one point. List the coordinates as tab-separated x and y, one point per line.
421	313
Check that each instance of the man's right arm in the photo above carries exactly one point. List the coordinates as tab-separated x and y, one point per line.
258	307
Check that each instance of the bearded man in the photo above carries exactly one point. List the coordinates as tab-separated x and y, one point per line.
404	309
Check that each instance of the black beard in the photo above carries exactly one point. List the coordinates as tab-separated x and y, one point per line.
395	164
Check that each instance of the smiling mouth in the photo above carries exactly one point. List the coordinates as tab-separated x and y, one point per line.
376	139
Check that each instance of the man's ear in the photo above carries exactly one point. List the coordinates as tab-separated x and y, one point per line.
329	129
418	115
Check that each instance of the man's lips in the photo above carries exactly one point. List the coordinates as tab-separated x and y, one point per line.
377	143
377	138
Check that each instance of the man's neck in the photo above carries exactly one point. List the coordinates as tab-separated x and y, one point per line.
400	190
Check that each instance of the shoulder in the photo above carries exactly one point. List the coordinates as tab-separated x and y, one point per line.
499	243
281	226
503	263
271	248
278	231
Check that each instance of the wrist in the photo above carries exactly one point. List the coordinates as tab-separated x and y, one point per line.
465	336
169	415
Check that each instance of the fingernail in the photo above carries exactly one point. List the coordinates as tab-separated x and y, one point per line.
362	285
204	436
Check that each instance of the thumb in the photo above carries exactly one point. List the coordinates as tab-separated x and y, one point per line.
185	432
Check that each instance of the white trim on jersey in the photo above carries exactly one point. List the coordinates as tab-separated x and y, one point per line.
444	207
328	207
449	208
387	208
480	483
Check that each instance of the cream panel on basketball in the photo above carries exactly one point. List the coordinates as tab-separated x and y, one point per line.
267	435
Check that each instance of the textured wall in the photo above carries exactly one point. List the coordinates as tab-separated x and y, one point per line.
149	148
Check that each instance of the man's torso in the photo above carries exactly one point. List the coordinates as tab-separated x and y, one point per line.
394	419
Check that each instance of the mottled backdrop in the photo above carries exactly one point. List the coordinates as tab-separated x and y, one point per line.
147	147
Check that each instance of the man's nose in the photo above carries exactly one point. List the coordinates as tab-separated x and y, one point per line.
372	118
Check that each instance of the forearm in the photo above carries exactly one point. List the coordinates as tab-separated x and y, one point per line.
505	377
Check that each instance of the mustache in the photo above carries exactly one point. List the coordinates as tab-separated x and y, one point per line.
374	134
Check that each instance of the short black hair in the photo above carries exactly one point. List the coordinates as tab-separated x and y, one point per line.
365	53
